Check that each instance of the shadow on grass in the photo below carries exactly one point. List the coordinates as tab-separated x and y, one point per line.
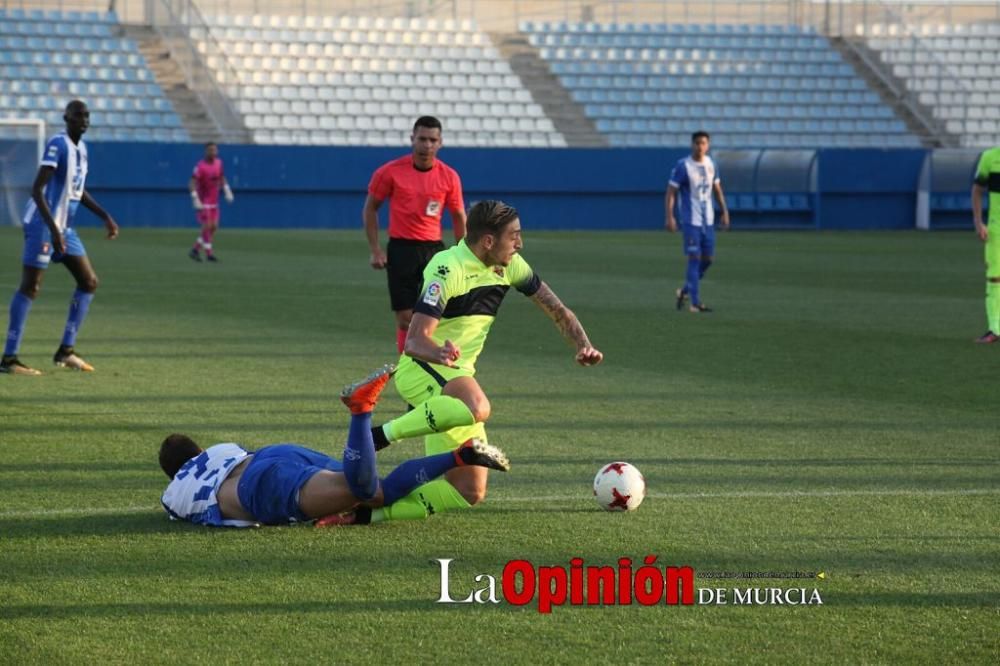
912	599
108	466
276	399
84	484
424	605
188	610
232	426
111	524
156	546
498	506
589	427
783	462
196	341
184	354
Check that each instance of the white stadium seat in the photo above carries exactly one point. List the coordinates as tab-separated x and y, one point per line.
945	60
351	80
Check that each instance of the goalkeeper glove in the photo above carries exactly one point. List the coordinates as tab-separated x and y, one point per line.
195	201
228	193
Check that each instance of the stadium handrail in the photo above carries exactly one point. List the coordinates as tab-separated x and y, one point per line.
903	96
918	44
174	21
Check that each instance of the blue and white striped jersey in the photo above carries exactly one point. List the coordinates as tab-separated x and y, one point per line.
192	494
65	189
694	181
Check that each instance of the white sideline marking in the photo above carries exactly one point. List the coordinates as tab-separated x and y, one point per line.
581	497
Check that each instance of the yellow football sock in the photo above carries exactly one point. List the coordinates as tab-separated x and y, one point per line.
437	414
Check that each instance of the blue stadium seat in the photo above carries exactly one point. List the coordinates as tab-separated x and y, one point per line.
29	29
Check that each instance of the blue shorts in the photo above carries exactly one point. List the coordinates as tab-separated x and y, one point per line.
38	245
699	240
269	486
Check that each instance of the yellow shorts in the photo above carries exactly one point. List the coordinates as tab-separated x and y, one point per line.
992	251
417	381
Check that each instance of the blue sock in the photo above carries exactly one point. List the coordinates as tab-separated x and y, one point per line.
703	267
412	473
359	458
20	305
691	286
77	313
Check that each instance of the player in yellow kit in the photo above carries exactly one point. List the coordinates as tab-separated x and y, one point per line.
462	290
988	180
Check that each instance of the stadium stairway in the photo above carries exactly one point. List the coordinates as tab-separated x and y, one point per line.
536	75
919	118
361	80
751	85
170	77
950	68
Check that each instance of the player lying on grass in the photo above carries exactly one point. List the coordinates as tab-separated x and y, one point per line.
462	291
227	485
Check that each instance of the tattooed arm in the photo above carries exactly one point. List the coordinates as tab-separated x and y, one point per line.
568	325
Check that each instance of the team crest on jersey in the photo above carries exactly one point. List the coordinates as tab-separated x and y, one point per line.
433	294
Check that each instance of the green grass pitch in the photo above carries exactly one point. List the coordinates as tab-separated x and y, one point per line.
831	415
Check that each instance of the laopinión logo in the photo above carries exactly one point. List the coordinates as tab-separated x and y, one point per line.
648	584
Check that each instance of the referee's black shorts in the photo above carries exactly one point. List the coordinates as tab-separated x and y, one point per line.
407	260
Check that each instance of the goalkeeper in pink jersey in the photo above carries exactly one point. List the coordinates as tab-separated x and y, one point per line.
205	183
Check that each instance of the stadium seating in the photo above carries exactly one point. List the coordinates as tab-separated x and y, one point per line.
749	85
48	57
951	69
363	81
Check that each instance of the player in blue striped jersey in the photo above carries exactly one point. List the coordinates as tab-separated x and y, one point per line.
692	183
49	236
226	485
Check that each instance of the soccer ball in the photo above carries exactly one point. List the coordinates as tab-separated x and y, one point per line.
619	486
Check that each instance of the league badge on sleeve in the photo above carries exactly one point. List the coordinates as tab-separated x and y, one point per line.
432	296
